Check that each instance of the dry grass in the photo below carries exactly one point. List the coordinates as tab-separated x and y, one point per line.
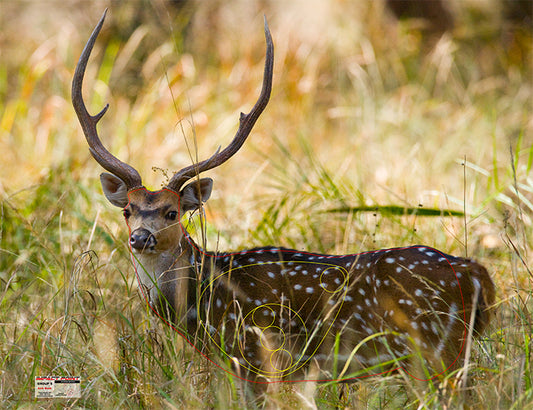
365	111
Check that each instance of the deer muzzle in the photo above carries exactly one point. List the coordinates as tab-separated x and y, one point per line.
142	239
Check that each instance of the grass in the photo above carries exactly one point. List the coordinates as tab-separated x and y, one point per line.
366	114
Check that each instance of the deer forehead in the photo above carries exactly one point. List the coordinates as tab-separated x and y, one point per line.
144	200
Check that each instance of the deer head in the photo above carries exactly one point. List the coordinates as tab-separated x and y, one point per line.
153	216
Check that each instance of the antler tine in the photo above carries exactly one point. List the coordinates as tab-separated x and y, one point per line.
246	123
88	122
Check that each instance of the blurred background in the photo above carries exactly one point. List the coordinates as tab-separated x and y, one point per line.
383	98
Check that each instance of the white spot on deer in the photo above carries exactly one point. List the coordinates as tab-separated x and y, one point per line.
411	267
441	259
331	301
252	284
399	269
434	328
258	302
430	254
304	272
297	286
251	260
419	292
378	283
271	275
292	273
297	255
453	284
449	326
442	283
348	298
375	300
367	302
309	289
414	325
299	267
274	291
425	262
337	281
458	274
425	326
390	260
368	280
422	249
311	258
362	291
386	282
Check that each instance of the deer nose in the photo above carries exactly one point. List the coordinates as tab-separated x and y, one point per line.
142	239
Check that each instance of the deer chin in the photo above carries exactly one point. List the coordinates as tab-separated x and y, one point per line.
148	250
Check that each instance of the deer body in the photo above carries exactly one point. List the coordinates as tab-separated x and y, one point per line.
276	311
280	309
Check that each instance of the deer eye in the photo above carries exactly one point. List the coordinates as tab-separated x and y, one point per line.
172	215
126	213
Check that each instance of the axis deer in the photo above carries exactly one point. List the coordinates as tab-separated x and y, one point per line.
276	311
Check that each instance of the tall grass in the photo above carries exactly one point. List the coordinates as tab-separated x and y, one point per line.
366	113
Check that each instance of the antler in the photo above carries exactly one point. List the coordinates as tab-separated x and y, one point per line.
88	122
246	123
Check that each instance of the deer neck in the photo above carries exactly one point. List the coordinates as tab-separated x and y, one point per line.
169	280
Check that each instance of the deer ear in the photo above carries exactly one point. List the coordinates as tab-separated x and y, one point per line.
115	189
195	193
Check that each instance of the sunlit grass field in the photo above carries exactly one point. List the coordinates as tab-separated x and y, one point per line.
370	120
